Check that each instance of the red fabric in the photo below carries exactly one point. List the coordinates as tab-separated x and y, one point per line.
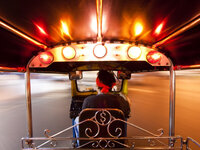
105	88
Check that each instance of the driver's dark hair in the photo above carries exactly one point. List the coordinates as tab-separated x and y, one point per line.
106	77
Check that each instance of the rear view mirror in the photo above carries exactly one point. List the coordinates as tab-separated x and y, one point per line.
123	75
76	75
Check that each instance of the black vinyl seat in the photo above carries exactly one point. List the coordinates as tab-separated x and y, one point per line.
102	123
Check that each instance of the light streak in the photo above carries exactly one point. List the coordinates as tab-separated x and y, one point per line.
159	28
187	67
15	31
180	30
10	69
99	10
138	28
93	24
65	29
41	29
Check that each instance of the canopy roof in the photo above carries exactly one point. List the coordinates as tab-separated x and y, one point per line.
54	22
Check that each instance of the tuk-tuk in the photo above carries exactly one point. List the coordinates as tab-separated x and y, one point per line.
103	128
122	58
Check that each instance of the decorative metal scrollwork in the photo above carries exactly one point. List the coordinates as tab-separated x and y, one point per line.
118	130
103	144
46	131
53	143
102	117
152	142
91	133
113	126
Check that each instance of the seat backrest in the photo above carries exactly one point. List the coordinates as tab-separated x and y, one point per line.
102	123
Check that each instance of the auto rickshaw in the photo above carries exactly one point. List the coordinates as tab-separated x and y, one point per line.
121	57
104	128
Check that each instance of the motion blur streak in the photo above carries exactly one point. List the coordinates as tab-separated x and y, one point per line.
22	35
159	28
138	28
99	19
41	29
190	66
65	29
180	30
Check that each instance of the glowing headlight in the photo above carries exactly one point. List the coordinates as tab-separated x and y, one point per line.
153	57
134	52
100	51
69	52
46	57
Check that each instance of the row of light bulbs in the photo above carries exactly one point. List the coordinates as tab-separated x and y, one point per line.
100	51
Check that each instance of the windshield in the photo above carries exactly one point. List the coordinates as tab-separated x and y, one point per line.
88	83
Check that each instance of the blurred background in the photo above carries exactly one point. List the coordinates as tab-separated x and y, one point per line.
51	99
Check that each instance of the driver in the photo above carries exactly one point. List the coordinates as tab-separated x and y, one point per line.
105	99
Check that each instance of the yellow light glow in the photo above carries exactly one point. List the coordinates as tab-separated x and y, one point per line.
134	52
100	51
93	24
159	28
138	28
69	52
65	29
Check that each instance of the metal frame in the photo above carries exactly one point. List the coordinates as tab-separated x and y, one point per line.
102	117
172	101
188	141
150	140
171	111
28	102
172	139
29	105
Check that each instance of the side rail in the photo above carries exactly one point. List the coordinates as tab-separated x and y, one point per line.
191	142
134	143
114	138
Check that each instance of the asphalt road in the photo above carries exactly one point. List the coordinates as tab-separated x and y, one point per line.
149	94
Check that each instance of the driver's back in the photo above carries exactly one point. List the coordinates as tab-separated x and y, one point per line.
107	101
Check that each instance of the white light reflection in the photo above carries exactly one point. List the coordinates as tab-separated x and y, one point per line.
93	24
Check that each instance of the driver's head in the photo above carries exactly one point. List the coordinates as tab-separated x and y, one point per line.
105	81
